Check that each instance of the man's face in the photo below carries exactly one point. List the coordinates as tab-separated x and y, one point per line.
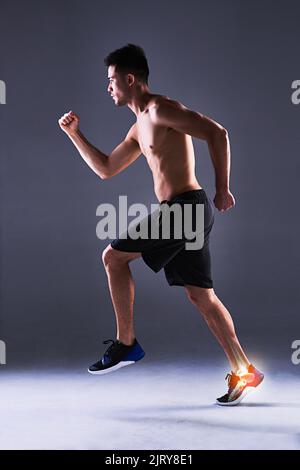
118	88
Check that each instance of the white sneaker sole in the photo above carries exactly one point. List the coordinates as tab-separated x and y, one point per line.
246	392
111	369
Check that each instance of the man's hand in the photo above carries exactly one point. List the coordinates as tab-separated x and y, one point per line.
224	200
69	123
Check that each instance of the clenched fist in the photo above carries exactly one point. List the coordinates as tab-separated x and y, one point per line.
224	200
69	123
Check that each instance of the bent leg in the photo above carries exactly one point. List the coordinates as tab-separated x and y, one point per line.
121	286
220	323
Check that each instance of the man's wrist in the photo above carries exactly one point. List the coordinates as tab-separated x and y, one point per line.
222	189
73	133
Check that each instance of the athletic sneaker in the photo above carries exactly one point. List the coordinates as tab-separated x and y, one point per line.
240	385
116	356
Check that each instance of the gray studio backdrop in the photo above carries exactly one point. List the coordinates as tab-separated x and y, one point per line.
232	60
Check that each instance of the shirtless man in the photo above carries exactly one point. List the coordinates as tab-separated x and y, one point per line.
163	133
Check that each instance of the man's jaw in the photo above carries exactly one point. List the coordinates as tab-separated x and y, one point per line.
118	102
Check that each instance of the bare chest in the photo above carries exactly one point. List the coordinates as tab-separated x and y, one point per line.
152	139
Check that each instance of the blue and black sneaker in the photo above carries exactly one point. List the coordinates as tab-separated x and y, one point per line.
116	356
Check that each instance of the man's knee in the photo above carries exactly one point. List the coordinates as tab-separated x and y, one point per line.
109	256
201	297
112	257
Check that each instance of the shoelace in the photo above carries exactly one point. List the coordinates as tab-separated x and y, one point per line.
230	378
235	380
111	347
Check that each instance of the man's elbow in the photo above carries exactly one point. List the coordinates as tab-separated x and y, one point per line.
105	173
221	132
103	176
218	133
224	132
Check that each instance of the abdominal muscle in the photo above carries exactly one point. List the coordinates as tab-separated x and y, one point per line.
173	171
166	189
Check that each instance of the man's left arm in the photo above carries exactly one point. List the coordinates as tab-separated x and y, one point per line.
173	114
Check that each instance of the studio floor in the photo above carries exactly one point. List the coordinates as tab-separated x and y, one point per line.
145	406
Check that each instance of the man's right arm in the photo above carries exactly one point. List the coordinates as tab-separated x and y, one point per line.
103	165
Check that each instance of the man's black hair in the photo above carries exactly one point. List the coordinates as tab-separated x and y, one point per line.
129	59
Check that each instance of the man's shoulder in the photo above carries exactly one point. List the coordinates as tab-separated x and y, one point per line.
159	100
132	132
163	105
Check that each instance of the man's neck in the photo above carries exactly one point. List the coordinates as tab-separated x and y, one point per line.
139	102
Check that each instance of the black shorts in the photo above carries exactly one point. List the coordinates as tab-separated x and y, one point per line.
181	265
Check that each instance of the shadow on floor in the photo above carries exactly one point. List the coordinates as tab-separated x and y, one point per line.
256	424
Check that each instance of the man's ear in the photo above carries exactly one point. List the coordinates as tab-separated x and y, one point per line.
130	79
